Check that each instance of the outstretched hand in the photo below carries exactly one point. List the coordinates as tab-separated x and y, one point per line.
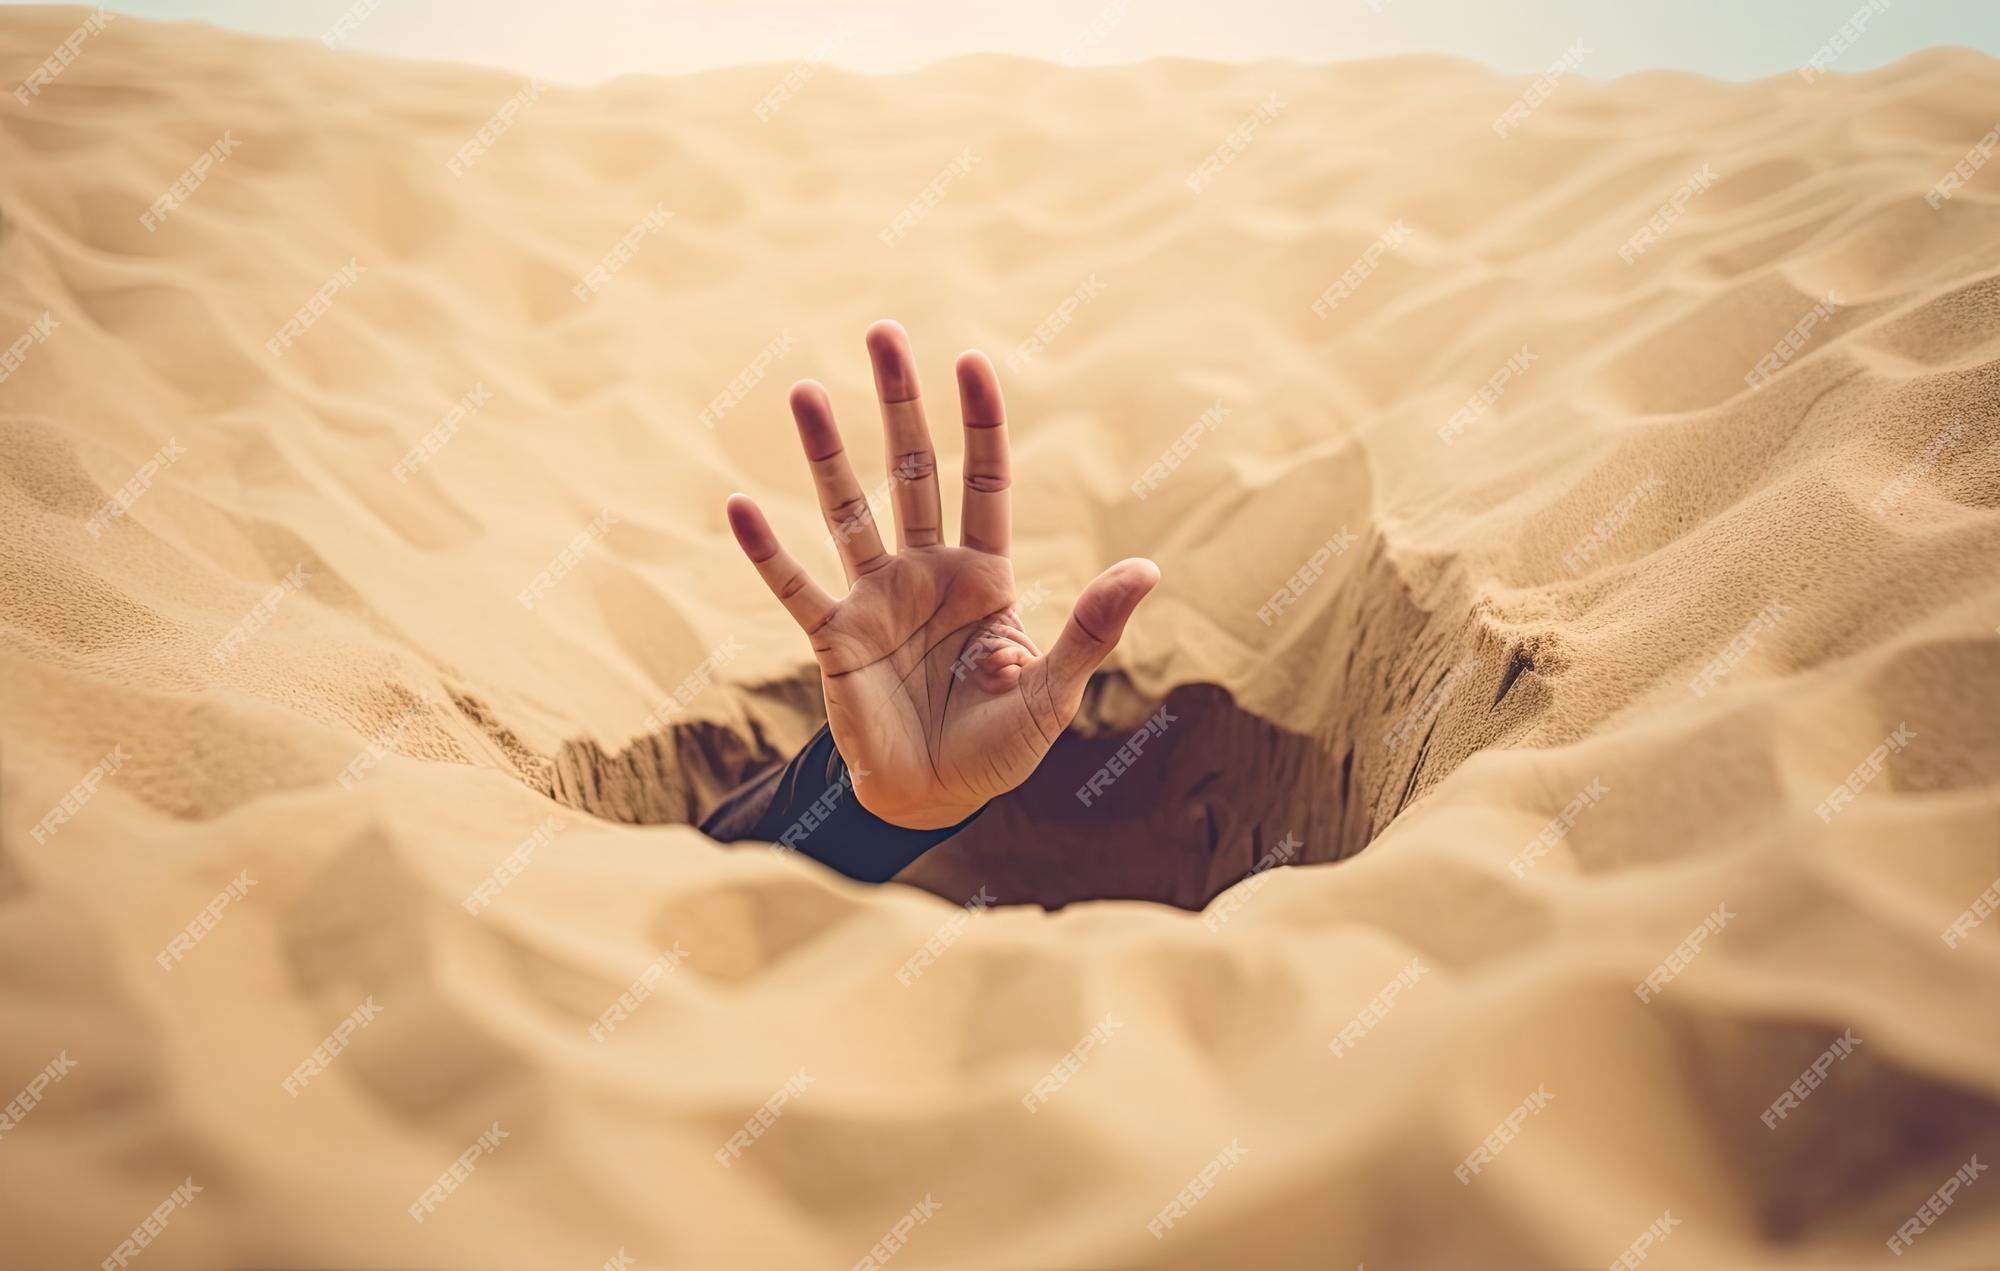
937	698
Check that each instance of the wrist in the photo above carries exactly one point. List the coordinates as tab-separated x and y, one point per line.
911	816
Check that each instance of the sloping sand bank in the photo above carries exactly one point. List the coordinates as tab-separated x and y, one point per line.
1631	585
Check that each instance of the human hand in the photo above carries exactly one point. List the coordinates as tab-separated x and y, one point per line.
937	698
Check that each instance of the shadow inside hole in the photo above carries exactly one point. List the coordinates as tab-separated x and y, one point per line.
1211	792
1198	803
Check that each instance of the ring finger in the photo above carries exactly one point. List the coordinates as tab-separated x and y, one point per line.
849	518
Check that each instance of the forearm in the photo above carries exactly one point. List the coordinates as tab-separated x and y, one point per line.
809	806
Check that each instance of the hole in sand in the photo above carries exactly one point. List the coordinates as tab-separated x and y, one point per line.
1416	691
1211	796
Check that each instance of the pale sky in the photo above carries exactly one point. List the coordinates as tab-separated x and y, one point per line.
582	41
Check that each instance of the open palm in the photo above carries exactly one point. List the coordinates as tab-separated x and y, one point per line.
937	698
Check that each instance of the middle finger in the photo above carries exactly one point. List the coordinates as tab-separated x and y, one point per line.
913	486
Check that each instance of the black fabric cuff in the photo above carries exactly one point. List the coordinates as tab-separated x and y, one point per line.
809	806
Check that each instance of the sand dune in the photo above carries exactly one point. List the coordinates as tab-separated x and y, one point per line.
1646	608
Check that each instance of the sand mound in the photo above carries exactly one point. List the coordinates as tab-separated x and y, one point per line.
1637	475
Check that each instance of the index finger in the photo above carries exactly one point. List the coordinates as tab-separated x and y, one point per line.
986	524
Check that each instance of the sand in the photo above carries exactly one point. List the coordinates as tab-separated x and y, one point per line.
1550	696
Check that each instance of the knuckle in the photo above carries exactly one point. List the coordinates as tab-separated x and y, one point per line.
915	465
854	511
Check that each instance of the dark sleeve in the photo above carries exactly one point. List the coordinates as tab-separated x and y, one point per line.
808	806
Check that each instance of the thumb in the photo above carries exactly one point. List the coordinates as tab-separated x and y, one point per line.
1093	630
